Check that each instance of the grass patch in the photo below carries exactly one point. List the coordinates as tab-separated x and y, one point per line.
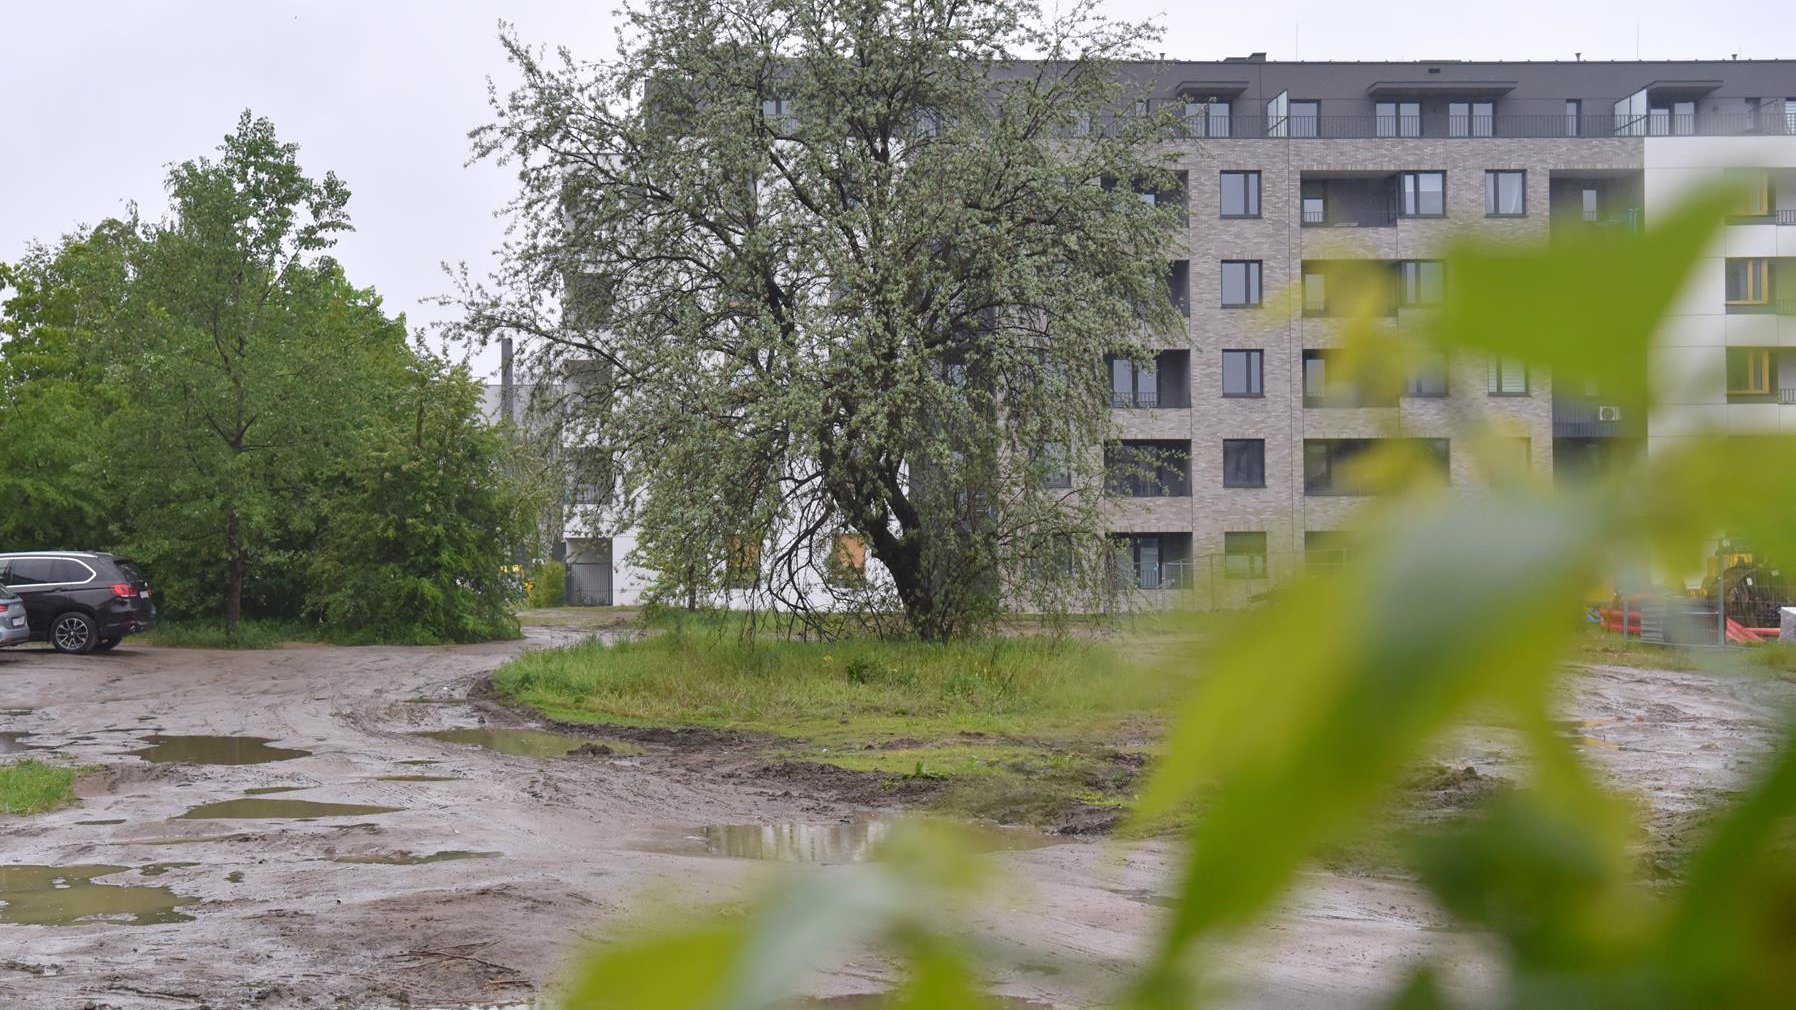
262	633
1021	728
31	786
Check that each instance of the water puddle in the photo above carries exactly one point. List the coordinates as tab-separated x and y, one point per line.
1150	898
839	842
408	859
108	820
418	778
158	869
536	743
280	810
267	790
67	896
234	877
422	761
215	750
14	743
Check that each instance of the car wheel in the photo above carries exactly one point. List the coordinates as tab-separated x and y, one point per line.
74	632
105	644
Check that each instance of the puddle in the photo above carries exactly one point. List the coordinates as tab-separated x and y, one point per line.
876	1000
266	790
214	750
1150	898
234	877
418	778
436	701
14	743
850	842
67	896
422	761
406	859
280	809
16	712
109	820
528	742
158	869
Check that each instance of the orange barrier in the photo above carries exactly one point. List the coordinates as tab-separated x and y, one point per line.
1737	632
1612	620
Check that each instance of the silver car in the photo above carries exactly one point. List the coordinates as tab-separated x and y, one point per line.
14	627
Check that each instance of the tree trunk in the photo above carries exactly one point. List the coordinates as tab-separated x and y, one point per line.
233	576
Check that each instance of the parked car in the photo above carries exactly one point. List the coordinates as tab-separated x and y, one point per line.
79	601
15	627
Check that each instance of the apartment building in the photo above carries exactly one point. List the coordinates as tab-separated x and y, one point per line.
1296	174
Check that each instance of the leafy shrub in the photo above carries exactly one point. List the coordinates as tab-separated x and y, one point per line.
548	585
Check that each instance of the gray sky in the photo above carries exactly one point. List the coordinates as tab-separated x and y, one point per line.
97	99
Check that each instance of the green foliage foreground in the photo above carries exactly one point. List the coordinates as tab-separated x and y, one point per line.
1312	709
31	786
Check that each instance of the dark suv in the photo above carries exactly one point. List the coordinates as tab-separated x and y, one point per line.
79	601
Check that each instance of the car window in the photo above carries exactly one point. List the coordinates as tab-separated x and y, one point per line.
130	571
69	570
31	571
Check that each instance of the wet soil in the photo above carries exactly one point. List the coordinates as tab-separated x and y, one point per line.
583	842
537	743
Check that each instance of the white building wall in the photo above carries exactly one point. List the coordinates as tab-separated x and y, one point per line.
1689	358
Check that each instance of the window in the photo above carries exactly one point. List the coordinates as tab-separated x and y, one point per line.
1241	373
1178	286
1305	116
1315	378
1505	194
1429	377
1240	284
1320	390
1508	377
1748	281
1240	194
1471	119
1750	372
1399	119
1082	125
1315	210
1675	120
1755	198
1148	469
1324	549
1315	292
1151	561
1141	108
1206	118
1422	194
31	571
1243	462
1134	384
1790	116
1325	459
781	114
1420	283
1574	111
1056	472
1244	555
1591	198
848	560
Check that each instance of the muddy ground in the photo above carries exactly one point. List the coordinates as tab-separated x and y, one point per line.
568	845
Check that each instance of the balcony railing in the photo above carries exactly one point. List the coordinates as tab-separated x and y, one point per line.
1785	217
1441	125
1786	395
1126	401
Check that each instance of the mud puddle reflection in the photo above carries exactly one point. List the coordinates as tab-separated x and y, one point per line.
215	750
407	859
535	743
279	810
67	896
839	842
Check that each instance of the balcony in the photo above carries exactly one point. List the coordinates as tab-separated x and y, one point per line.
1349	201
1585	417
1440	125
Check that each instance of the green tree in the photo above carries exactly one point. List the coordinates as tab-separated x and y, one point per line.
253	361
417	545
844	268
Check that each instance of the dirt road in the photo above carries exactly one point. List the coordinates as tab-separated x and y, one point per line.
338	911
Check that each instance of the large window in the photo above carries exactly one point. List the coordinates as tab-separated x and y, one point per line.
1056	469
1178	286
1420	283
1422	194
1205	118
1148	469
1508	376
1505	194
1244	555
1328	462
1243	462
1306	116
1429	378
1678	119
1162	382
1153	560
1471	119
1242	373
1320	389
1751	371
1399	119
781	115
1748	281
1240	194
1574	115
1240	284
1755	187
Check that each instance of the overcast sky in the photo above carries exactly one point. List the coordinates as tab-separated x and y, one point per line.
97	99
